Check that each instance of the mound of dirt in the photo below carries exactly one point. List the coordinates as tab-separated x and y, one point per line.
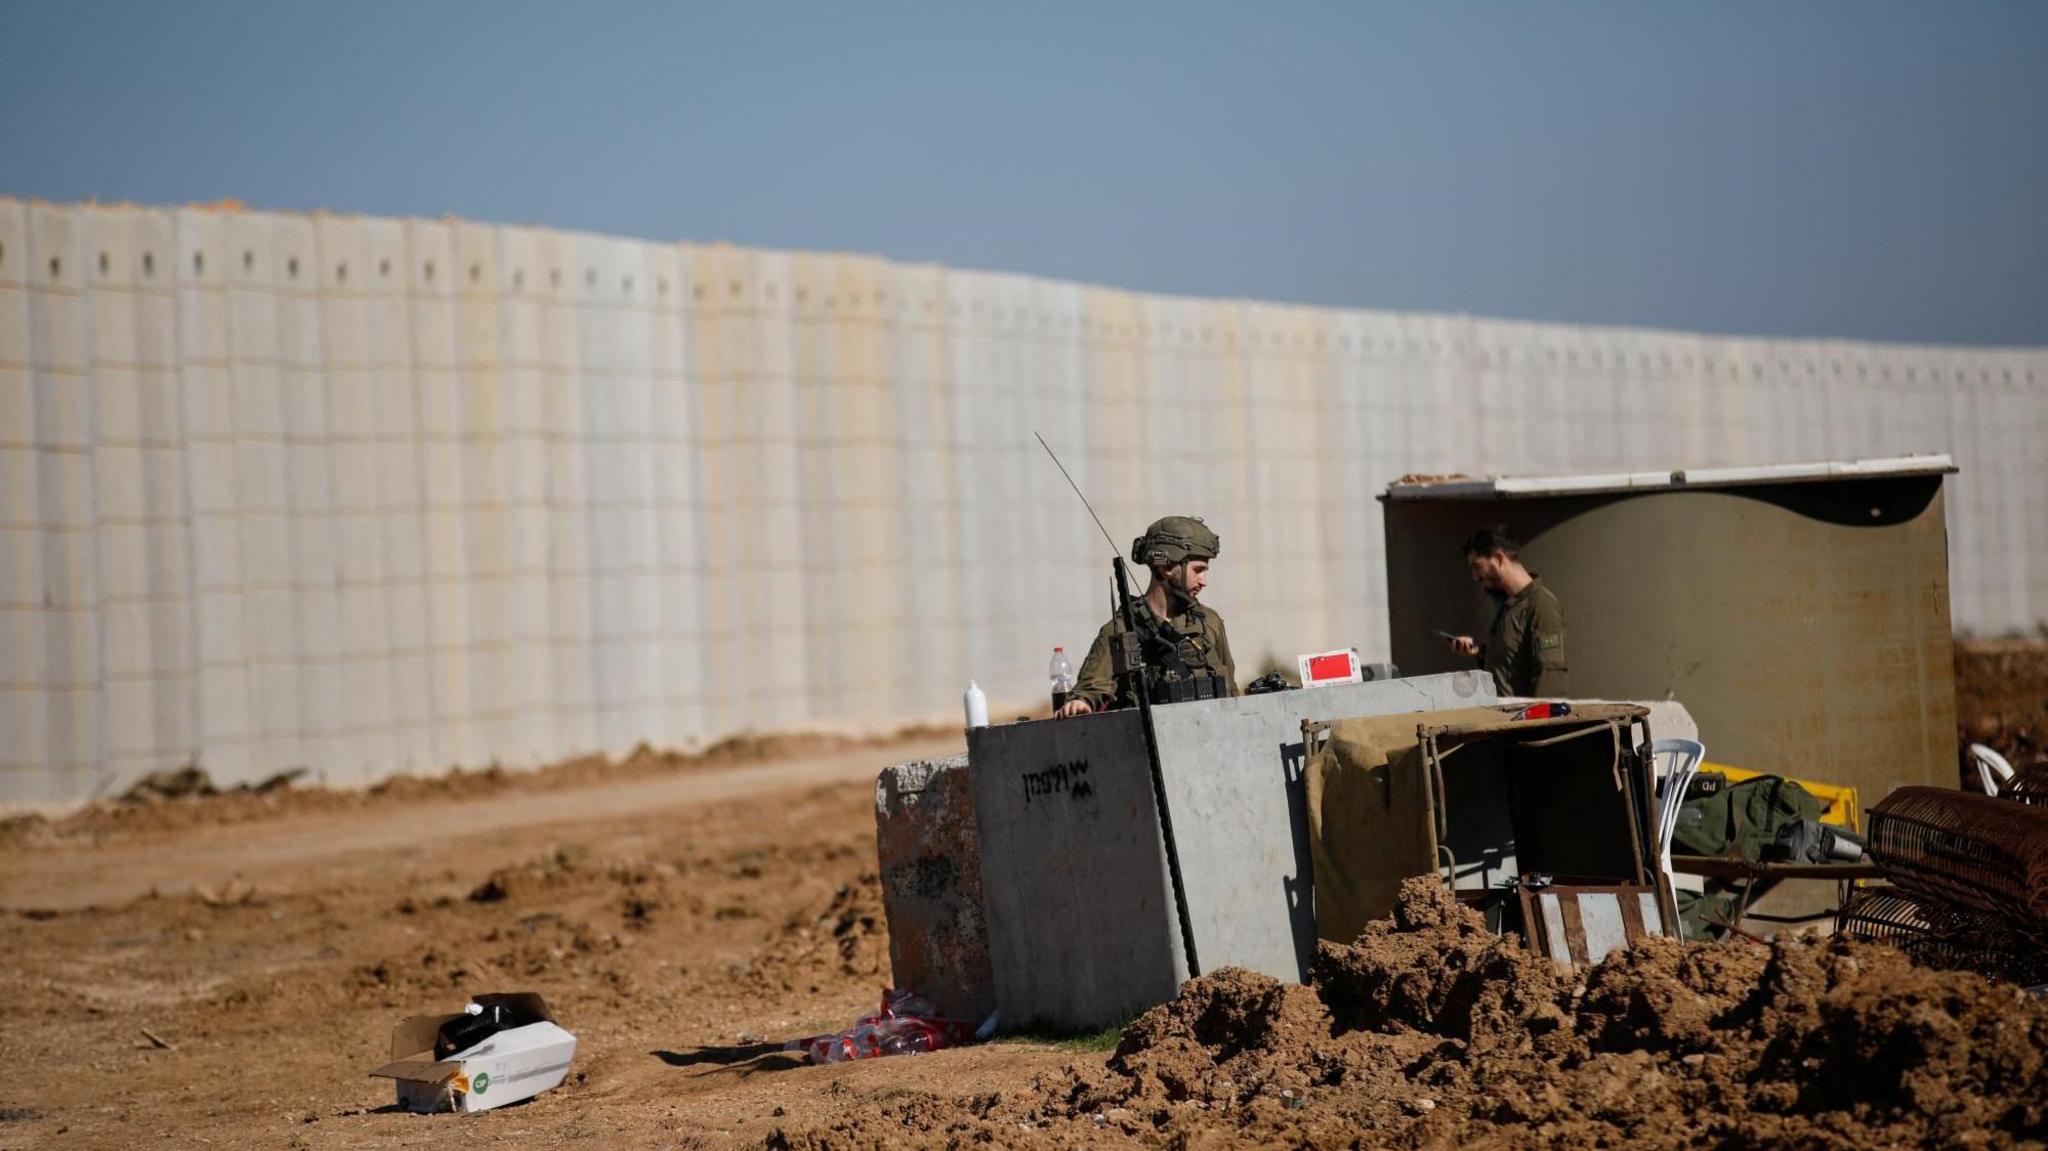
1434	967
846	936
1428	1031
1230	1037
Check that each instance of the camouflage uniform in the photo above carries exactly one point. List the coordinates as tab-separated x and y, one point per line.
1525	648
1198	634
1181	653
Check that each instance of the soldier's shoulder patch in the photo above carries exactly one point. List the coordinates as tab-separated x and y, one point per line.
1550	642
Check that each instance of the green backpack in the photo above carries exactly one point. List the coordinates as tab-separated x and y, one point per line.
1738	820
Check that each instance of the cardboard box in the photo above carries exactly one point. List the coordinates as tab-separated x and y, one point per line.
511	1065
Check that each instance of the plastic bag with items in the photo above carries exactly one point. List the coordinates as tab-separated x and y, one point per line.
907	1024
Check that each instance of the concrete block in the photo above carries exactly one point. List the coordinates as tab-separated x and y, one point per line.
353	466
311	480
261	477
298	336
224	705
128	723
411	702
270	631
1082	927
21	563
397	399
359	548
72	726
127	642
266	551
220	629
1669	719
207	325
118	397
1081	918
319	700
64	417
366	695
447	548
212	472
71	576
170	561
312	558
345	337
117	476
259	400
217	551
361	631
124	560
60	337
403	548
17	387
931	885
73	651
24	716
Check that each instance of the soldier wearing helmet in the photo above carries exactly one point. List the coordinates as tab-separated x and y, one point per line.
1187	653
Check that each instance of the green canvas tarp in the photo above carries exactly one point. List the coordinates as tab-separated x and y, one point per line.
1370	822
1368	816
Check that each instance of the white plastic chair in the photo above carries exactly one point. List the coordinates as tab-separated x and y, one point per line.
1992	769
1680	760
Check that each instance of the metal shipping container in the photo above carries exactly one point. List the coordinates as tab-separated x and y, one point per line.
1801	612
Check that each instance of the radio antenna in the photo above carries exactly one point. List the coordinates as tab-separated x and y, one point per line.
1077	491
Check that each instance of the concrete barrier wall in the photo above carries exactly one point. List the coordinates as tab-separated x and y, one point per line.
374	495
1082	927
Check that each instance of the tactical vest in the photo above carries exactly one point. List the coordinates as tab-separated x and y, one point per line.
1176	665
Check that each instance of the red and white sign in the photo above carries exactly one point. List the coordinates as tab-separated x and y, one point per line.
1331	667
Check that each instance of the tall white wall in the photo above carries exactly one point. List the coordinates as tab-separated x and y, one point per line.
370	496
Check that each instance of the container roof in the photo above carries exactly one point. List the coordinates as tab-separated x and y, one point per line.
1516	487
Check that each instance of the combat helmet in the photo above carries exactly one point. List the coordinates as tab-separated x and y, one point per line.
1173	540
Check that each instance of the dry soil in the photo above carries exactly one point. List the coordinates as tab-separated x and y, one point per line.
222	971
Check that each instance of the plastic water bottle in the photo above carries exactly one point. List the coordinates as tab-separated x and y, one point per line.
1062	674
976	704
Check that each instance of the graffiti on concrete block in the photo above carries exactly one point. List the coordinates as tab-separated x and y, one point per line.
1070	778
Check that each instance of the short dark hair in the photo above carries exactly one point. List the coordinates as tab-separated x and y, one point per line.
1497	538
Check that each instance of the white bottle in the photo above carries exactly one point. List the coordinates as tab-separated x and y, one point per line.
1062	674
976	704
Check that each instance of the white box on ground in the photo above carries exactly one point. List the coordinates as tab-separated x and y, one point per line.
506	1067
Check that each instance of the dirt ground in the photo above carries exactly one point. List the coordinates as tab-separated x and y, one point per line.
2002	698
223	970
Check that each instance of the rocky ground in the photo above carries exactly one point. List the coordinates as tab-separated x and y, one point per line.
223	970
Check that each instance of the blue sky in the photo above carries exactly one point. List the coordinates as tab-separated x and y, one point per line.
1866	170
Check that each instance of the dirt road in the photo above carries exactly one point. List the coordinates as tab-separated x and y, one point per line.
491	830
682	921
